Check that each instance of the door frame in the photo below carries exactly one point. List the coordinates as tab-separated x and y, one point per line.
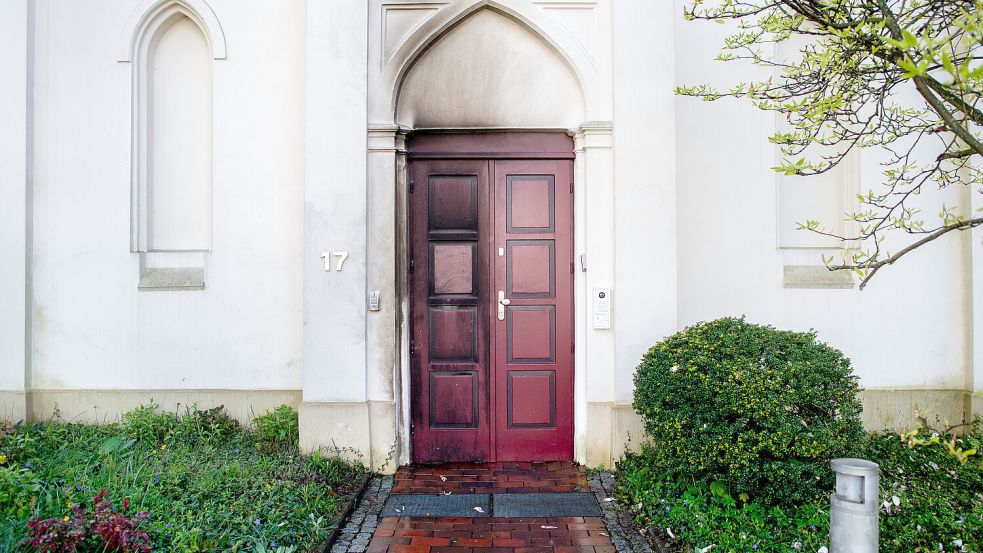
593	182
485	144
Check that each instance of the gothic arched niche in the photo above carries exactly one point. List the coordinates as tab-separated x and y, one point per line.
489	71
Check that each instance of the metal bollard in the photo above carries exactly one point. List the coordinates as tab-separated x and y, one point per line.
855	508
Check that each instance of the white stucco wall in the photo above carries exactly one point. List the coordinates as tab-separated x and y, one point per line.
335	202
645	301
906	329
677	208
92	328
13	144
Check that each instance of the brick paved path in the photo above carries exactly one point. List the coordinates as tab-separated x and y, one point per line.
491	478
490	534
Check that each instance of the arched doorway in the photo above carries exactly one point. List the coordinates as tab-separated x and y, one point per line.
490	243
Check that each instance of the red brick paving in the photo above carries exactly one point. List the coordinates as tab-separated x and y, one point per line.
491	535
506	477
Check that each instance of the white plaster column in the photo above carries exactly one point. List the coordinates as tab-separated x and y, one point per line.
402	376
974	239
15	62
594	357
335	411
381	325
644	196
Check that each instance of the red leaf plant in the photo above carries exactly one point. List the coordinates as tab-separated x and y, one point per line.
105	530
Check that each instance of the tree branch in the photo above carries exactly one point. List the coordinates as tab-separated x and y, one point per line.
874	267
923	88
958	154
974	114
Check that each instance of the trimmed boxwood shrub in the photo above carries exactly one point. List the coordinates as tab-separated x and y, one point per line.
749	409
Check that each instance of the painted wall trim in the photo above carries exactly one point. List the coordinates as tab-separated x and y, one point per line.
141	18
29	208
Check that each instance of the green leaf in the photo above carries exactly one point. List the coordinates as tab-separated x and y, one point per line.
718	489
110	445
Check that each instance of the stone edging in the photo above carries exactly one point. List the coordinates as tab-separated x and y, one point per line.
355	535
624	534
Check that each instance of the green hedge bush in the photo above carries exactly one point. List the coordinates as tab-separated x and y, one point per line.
931	500
749	409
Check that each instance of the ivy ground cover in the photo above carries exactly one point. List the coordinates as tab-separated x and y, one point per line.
203	482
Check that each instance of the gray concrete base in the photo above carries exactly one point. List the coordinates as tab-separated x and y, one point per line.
612	429
13	405
615	428
894	409
103	406
367	431
364	432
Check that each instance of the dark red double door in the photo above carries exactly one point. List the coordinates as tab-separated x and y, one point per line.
492	309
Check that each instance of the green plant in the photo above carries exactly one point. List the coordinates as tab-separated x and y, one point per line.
205	425
208	484
273	548
278	427
753	410
103	529
18	487
149	422
929	501
931	493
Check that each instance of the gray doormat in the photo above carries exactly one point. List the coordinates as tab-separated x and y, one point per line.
546	505
426	505
499	505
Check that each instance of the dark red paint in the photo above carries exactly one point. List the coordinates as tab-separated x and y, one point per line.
485	389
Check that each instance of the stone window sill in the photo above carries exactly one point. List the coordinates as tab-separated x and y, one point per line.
817	277
161	279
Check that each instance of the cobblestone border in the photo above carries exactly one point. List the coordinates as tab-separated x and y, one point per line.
355	535
624	534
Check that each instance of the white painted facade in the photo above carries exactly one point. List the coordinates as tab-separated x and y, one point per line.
293	122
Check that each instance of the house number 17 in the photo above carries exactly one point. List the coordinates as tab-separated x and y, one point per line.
341	256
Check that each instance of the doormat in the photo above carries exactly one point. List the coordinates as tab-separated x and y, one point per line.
497	505
425	505
546	505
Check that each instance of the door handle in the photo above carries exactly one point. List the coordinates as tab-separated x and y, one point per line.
502	302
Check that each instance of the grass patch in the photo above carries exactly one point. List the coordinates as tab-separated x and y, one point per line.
207	483
931	501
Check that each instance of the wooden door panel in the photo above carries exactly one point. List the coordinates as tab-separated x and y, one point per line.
454	399
532	399
449	348
533	358
530	270
453	334
530	334
529	203
454	268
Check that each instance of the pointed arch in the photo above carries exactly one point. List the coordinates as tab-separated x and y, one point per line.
151	21
149	16
524	12
503	77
